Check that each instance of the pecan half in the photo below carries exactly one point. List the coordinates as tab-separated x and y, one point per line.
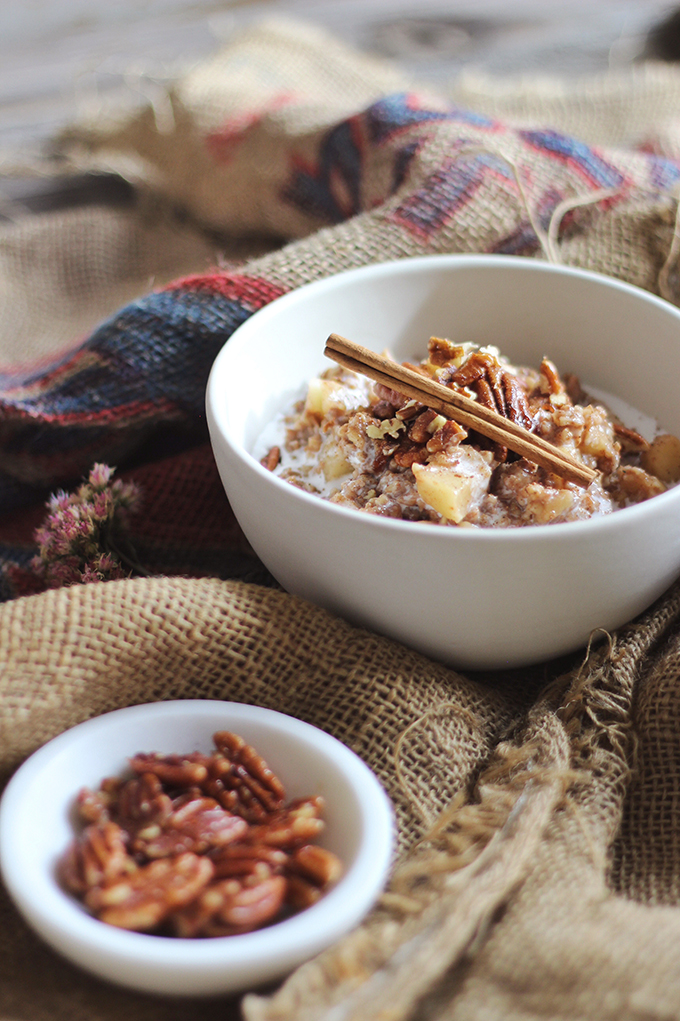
93	806
230	906
196	825
243	859
441	351
160	854
494	375
98	856
176	770
485	394
271	459
472	369
550	378
631	441
301	894
141	801
419	431
516	404
292	826
316	864
144	899
250	787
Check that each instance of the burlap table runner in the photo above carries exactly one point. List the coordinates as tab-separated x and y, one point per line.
538	872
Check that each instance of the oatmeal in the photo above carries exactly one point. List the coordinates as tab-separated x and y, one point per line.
362	445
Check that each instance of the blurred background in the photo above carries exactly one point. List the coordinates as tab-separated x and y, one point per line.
58	57
65	61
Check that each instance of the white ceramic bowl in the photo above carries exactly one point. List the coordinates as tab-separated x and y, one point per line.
35	829
473	598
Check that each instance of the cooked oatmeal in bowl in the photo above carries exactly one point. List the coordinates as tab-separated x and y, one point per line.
474	596
363	445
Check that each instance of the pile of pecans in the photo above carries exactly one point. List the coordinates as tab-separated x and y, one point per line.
197	845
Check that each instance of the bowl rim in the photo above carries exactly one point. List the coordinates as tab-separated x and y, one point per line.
560	531
289	941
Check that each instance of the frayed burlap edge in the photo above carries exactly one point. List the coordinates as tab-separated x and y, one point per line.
573	754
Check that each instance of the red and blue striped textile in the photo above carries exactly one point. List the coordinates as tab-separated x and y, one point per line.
132	394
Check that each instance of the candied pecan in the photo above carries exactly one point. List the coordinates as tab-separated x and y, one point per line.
550	378
253	904
419	430
196	825
237	750
251	789
292	826
230	906
441	351
300	893
176	770
316	864
385	393
409	410
98	856
516	405
142	900
630	440
494	376
485	394
309	808
93	806
240	859
408	457
271	459
472	369
450	435
194	918
486	397
141	801
383	409
174	858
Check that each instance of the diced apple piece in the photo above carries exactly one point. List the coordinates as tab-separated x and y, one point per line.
598	438
545	505
334	463
447	490
321	396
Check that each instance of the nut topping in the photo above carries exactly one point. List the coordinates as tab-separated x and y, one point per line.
141	901
197	845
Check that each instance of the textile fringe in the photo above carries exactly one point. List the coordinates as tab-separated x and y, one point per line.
442	896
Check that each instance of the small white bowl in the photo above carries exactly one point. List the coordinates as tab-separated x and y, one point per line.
36	828
476	598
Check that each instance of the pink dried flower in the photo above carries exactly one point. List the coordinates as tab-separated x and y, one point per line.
100	475
82	538
102	504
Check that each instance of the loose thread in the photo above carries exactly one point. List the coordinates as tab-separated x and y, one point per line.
548	240
663	279
566	206
399	773
482	150
611	642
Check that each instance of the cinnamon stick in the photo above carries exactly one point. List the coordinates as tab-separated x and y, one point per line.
458	407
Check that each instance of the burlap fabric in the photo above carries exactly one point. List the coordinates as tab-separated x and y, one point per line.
538	873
